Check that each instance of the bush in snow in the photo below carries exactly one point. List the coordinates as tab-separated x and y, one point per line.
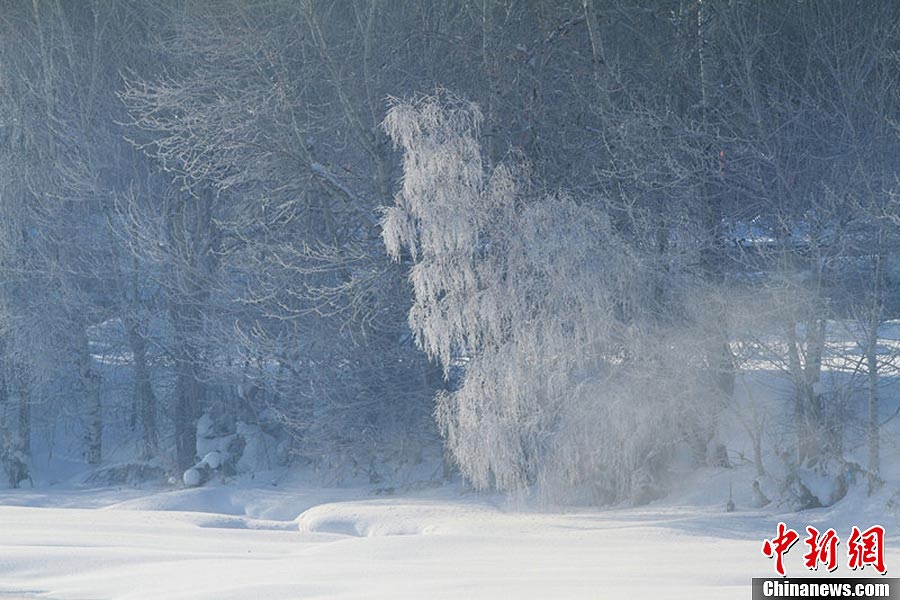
14	462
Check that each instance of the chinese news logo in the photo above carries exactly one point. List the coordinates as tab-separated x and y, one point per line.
864	548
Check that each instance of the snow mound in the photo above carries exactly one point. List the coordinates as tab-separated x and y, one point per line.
192	478
386	518
133	474
242	499
213	459
232	522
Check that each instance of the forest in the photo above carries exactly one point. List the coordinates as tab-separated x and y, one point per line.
565	248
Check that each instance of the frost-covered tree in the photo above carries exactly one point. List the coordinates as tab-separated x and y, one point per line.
64	263
305	308
569	382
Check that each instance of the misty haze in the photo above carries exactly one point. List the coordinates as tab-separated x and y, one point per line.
408	299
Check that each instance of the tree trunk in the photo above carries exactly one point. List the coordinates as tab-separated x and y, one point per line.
808	408
490	73
90	382
598	59
872	363
192	236
24	445
872	426
719	359
144	398
189	391
756	437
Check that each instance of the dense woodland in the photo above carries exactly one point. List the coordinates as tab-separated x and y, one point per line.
545	239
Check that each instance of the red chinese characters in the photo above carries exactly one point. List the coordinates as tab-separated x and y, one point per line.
779	546
867	548
822	549
864	548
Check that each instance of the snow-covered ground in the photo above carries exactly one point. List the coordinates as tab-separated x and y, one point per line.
281	535
297	541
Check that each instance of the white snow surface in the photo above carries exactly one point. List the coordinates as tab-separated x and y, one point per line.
295	540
